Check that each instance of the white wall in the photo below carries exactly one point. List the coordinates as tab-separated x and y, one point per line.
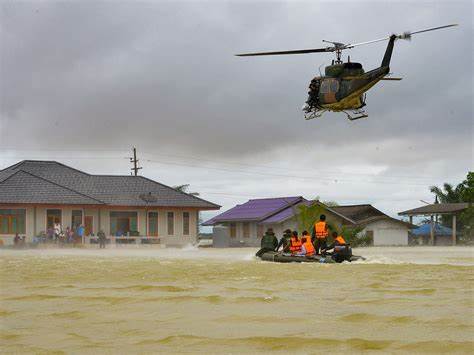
388	232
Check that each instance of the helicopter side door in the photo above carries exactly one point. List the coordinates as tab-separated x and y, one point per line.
328	90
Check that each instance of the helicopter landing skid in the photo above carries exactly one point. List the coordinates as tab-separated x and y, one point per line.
361	114
313	114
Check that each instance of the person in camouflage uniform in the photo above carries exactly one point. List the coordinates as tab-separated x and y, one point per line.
285	241
269	242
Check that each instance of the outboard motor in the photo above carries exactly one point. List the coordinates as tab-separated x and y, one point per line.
342	252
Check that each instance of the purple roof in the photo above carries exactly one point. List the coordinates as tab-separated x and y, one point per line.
283	215
255	210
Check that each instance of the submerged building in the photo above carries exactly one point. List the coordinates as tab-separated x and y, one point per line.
244	225
36	194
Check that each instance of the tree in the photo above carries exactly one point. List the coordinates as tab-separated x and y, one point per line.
467	195
463	192
307	215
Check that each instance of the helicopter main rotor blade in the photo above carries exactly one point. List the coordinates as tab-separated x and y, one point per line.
433	28
297	51
405	35
340	46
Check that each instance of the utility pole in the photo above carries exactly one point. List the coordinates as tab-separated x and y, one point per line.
135	161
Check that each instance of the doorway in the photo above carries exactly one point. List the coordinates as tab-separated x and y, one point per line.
88	225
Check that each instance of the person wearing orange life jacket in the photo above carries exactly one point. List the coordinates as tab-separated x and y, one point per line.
295	243
338	240
307	247
320	234
342	250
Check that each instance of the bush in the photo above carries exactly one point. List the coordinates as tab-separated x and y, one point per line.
355	238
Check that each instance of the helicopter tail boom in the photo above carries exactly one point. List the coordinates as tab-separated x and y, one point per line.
388	52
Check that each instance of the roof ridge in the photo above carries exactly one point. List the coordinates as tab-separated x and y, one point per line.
278	210
13	166
54	183
274	198
45	161
357	205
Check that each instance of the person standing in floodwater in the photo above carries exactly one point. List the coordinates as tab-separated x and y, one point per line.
80	233
102	239
57	229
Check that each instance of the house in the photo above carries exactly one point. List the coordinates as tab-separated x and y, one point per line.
383	229
36	194
243	225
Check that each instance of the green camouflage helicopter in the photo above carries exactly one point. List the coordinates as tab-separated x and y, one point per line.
343	86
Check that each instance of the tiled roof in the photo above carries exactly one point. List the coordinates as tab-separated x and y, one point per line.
358	213
113	190
255	210
436	208
38	190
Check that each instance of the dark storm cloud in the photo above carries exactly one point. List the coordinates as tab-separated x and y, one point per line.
162	75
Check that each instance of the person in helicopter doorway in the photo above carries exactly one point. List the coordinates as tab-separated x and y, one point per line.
269	243
320	234
341	250
285	241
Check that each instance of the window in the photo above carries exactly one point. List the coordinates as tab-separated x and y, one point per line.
123	223
76	219
52	217
329	86
12	221
186	223
246	229
233	230
259	231
153	224
170	223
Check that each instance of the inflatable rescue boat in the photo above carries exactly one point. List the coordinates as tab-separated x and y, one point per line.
279	257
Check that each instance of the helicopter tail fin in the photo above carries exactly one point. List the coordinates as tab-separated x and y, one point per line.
388	52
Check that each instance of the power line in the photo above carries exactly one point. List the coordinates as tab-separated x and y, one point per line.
314	178
321	177
196	158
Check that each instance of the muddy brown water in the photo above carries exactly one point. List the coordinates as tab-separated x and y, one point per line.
401	300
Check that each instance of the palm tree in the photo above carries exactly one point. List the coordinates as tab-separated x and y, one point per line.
448	194
463	192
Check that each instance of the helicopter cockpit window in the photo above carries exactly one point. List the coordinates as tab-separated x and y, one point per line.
328	86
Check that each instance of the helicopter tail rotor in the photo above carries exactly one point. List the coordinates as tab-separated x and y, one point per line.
405	35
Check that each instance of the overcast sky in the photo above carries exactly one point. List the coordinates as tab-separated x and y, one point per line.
83	82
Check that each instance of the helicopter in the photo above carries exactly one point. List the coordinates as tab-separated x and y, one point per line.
343	87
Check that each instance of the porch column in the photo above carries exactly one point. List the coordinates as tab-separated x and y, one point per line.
432	231
34	222
411	219
83	226
454	229
146	223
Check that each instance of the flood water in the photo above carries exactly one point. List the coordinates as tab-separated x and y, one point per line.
401	300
